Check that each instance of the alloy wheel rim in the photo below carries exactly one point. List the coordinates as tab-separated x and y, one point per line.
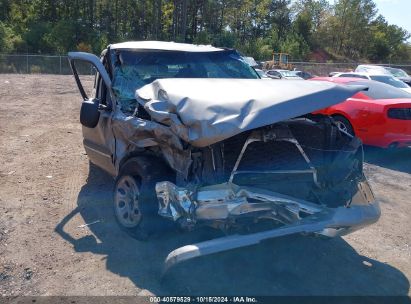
342	127
127	202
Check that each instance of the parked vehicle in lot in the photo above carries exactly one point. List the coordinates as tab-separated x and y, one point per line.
372	69
377	69
303	74
331	74
282	74
380	116
262	74
387	79
400	74
349	75
225	150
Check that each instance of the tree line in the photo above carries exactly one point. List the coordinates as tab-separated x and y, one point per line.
306	29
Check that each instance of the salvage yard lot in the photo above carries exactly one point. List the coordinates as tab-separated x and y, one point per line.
48	191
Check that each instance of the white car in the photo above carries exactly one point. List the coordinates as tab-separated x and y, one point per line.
262	74
372	69
282	74
400	74
381	77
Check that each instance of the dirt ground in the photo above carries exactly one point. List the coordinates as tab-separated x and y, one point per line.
47	190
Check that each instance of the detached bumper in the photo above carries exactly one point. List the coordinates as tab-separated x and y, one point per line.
347	220
330	222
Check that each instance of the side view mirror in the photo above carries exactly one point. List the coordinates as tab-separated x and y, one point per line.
89	113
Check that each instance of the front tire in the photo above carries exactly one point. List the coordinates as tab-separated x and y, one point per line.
135	200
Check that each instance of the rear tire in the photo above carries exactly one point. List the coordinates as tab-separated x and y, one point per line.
135	200
344	124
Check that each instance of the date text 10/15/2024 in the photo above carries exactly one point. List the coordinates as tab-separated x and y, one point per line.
186	299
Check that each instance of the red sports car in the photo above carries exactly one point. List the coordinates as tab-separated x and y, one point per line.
380	116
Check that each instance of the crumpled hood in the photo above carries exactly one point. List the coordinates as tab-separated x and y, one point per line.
205	111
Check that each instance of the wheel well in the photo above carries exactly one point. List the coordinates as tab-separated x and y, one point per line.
145	165
341	115
144	155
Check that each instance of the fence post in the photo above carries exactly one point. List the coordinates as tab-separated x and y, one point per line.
60	64
27	63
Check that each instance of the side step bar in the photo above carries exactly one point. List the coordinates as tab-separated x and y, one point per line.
332	222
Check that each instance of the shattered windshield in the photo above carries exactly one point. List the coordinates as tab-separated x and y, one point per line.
133	69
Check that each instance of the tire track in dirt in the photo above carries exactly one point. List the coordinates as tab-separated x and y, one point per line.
72	185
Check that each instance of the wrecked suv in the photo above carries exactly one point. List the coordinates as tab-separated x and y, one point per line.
195	138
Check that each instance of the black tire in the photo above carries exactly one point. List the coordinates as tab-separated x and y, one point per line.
344	124
139	214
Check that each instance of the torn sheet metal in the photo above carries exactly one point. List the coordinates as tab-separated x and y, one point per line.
133	133
205	111
174	202
220	202
363	210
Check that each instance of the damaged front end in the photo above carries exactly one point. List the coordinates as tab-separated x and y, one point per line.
241	155
257	165
302	175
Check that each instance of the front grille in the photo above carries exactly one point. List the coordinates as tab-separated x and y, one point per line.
272	155
400	113
320	143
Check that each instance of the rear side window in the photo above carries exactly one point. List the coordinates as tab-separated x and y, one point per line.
378	90
390	80
273	73
353	76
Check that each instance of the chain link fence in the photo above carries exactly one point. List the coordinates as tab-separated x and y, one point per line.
323	69
48	64
40	64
